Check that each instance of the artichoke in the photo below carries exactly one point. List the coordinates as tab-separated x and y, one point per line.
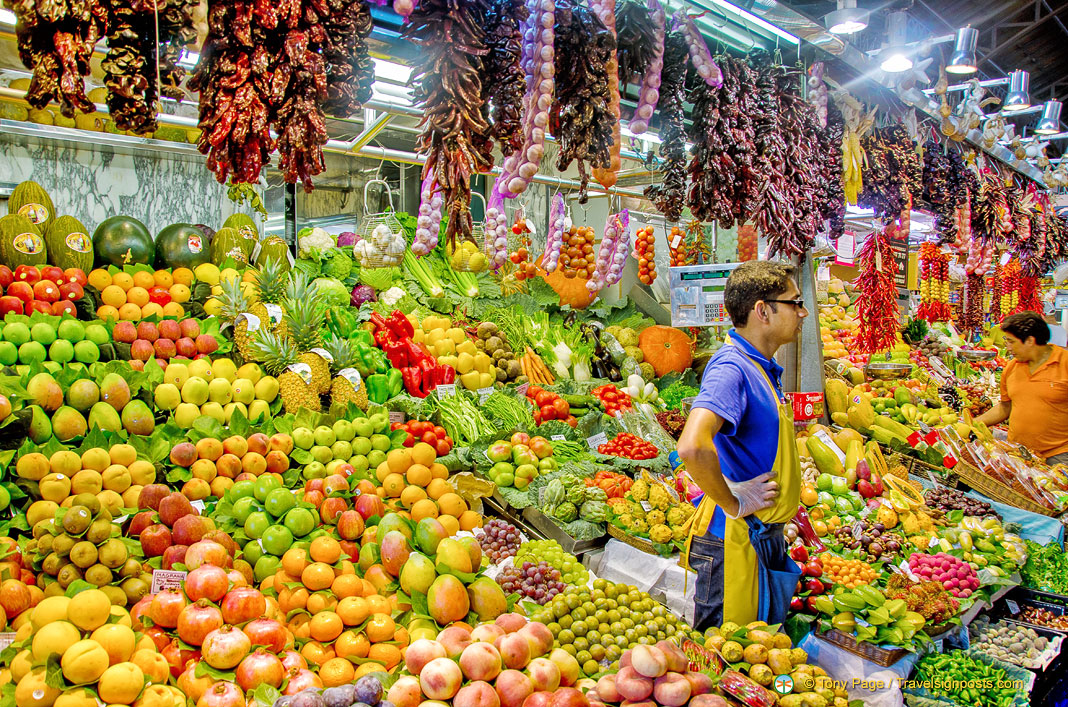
554	492
593	511
565	512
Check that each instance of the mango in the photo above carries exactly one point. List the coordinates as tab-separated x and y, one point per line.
429	532
393	521
417	574
45	391
454	555
137	419
105	417
40	425
447	600
83	394
395	550
68	423
487	599
115	391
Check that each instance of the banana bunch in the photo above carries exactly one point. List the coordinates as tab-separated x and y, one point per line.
856	124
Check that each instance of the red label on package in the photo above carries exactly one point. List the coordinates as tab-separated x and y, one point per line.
914	439
807	406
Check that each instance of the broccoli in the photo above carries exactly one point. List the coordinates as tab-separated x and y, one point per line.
336	263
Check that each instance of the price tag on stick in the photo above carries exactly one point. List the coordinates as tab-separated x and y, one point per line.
597	440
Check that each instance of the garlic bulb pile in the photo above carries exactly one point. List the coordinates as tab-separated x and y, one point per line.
381	249
650	89
496	230
612	254
428	225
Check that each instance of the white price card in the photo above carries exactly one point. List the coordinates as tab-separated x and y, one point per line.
597	440
253	321
934	478
274	312
446	390
558	438
396	416
6	639
323	353
198	504
826	439
483	394
167	579
1013	607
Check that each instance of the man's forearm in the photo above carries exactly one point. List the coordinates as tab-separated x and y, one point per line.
702	463
996	414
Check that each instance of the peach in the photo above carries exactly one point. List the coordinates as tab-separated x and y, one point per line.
514	649
649	661
204	469
671	690
677	662
544	674
209	448
277	462
440	679
253	463
511	622
624	660
455	639
480	661
488	633
259	443
405	692
228	465
513	687
606	688
236	445
184	454
568	697
632	685
477	694
539	636
281	442
700	684
708	700
538	699
569	667
421	652
638	703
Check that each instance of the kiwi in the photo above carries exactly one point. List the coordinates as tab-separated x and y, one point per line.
62	544
67	575
135	589
131	568
44	527
113	553
83	554
105	514
99	531
53	589
116	595
77	519
44	544
88	500
99	575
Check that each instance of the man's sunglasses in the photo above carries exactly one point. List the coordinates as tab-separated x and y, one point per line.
799	303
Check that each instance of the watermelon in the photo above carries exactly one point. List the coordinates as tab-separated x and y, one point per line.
29	199
181	245
68	244
20	242
123	240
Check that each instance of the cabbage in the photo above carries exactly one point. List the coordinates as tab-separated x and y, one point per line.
336	263
361	294
348	238
331	291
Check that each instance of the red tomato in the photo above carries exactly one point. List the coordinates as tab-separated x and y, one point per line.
442	447
548	412
562	408
439	431
409	441
394	426
430	438
543	398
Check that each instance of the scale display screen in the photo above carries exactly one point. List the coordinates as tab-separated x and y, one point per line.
697	294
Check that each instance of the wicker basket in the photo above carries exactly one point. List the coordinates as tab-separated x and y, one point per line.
946	477
994	489
632	540
868	651
939	629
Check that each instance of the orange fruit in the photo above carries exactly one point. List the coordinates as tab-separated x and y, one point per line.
144	279
163	278
294	561
113	295
347	585
452	525
337	671
152	310
419	475
179	293
388	654
353	610
393	485
317	653
138	295
122	279
470	520
412	495
182	276
451	504
99	278
399	460
423	453
130	312
326	626
173	309
378	604
320	602
438	488
352	643
325	549
366	669
379	628
346	567
424	508
439	471
106	311
300	626
401	635
317	576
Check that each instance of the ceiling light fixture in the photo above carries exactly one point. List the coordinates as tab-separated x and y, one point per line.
963	60
894	56
847	19
1017	99
1050	122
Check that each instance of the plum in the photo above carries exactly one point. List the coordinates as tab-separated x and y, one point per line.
307	698
340	696
369	690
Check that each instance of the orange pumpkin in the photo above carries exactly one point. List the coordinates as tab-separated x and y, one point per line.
668	349
572	291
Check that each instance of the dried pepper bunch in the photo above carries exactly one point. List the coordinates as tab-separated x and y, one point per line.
723	157
934	284
635	40
235	82
970	310
176	30
1056	233
456	138
669	195
581	116
298	91
944	187
349	68
55	40
894	171
991	210
503	81
877	294
833	192
130	65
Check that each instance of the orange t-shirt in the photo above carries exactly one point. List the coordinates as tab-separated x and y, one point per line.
1039	417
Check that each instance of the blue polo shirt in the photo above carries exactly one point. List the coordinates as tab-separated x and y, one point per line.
734	388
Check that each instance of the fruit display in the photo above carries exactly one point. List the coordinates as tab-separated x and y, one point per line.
956	575
538	582
47	289
929	599
658	674
40	339
1044	618
947	499
115	477
865	613
164	340
628	446
133	294
650	509
951	675
848	573
1009	642
870	540
572	571
216	389
520	460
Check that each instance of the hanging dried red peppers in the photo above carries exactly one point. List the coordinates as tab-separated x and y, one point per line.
349	68
876	301
894	171
669	194
503	81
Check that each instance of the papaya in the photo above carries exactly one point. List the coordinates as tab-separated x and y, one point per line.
861	415
854	453
835	391
802	448
845	437
840	418
903	395
893	426
826	460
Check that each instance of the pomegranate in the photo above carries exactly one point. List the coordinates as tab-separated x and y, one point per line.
225	647
222	694
206	552
300	679
236	579
291	659
166	607
243	604
266	632
192	686
198	620
140	609
177	657
206	582
260	667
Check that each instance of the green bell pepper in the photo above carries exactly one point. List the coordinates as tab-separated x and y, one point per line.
378	388
396	381
376	360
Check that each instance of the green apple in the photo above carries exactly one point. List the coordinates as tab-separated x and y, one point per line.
380	442
363	427
361	445
380	420
300	522
324	436
321	454
277	539
344	430
279	501
303	438
314	470
359	463
257	524
252	552
375	457
341	449
244	506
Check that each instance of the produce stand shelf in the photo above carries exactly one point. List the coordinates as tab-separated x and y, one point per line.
998	491
548	529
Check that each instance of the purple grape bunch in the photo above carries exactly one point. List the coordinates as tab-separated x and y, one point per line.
538	582
499	539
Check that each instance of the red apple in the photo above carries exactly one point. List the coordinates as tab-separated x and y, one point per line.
76	275
71	291
28	274
64	306
37	306
10	305
22	290
6	276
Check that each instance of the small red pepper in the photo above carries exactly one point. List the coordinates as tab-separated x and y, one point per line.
447	374
400	325
413	381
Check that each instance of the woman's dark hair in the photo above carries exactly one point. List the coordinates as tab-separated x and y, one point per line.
752	281
1026	324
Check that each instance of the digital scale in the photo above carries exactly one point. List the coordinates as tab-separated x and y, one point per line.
697	294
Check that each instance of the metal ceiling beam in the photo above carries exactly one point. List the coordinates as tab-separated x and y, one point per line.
1025	31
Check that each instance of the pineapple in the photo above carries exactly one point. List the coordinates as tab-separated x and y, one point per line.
303	320
271	283
234	303
298	287
278	354
342	390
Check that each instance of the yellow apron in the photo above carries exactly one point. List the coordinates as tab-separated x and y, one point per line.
741	593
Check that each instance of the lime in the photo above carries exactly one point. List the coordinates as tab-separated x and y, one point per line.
300	521
276	540
71	330
257	524
17	333
61	351
9	354
32	352
86	352
244	506
279	501
265	484
97	333
43	333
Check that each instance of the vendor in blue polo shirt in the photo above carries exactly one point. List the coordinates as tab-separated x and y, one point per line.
739	447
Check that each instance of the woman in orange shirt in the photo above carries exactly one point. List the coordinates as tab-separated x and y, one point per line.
1034	389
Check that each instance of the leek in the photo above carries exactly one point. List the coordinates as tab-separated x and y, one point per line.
423	275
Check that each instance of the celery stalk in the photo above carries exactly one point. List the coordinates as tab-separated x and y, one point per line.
423	275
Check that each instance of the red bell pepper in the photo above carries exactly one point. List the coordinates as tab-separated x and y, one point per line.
448	374
400	325
413	381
